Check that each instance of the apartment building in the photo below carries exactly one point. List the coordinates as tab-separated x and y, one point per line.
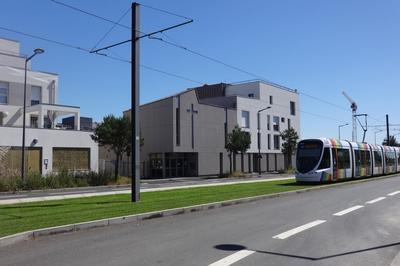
185	134
49	147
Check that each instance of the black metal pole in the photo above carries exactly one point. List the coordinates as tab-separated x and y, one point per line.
387	130
259	142
23	126
135	149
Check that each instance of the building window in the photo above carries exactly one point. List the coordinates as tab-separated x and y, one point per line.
276	123
246	119
71	159
292	108
1	118
282	119
268	122
34	121
269	141
3	93
277	142
36	95
178	126
288	123
271	100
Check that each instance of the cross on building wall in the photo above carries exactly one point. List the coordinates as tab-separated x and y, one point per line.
192	111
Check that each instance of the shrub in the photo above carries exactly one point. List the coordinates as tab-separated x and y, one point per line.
33	181
237	174
63	179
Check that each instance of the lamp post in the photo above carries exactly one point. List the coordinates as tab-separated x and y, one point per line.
259	138
35	52
342	126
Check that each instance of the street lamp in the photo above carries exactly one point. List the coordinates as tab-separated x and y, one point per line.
342	126
35	52
259	138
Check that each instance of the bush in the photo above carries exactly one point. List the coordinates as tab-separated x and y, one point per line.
237	174
9	184
32	182
63	179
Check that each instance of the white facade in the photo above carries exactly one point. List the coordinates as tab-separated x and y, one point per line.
257	95
186	134
47	139
42	110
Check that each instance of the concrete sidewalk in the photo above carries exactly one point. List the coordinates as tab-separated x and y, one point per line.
25	198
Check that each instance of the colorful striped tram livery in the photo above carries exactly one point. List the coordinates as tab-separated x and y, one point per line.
327	160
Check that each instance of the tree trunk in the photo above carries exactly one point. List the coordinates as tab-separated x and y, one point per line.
242	161
234	161
116	170
230	163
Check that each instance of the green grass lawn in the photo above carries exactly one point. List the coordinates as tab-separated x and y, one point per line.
27	216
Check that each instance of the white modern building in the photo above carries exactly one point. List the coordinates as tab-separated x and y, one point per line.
185	134
50	147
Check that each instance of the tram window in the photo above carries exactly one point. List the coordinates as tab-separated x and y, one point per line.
343	156
390	158
357	157
368	158
365	160
326	159
378	159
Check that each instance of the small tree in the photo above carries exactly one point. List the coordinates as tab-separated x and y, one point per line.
289	143
238	141
114	133
392	142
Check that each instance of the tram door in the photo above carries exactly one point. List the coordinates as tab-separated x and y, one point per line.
341	163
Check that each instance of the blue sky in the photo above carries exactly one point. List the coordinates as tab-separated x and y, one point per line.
318	47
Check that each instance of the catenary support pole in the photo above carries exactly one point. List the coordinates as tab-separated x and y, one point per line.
135	149
23	126
387	130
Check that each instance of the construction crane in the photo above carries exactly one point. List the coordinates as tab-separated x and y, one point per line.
353	107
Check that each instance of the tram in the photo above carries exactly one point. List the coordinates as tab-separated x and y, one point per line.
330	160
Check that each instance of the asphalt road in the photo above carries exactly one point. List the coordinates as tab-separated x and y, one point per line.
356	224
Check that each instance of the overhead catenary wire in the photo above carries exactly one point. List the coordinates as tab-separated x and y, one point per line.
89	13
165	11
310	113
111	29
79	48
175	44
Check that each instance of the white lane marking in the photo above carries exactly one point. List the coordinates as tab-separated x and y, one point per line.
393	193
235	257
348	210
298	229
375	200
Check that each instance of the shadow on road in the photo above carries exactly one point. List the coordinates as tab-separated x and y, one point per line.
234	247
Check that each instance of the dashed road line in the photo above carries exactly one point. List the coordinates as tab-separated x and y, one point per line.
393	193
235	257
346	211
375	200
298	229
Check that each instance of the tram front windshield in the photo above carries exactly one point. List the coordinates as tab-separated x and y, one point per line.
308	155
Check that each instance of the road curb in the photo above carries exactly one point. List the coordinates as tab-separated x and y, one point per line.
137	218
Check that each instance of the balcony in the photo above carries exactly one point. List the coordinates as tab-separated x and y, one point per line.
45	115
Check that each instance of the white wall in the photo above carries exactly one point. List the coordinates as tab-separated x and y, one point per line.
49	138
280	108
244	89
